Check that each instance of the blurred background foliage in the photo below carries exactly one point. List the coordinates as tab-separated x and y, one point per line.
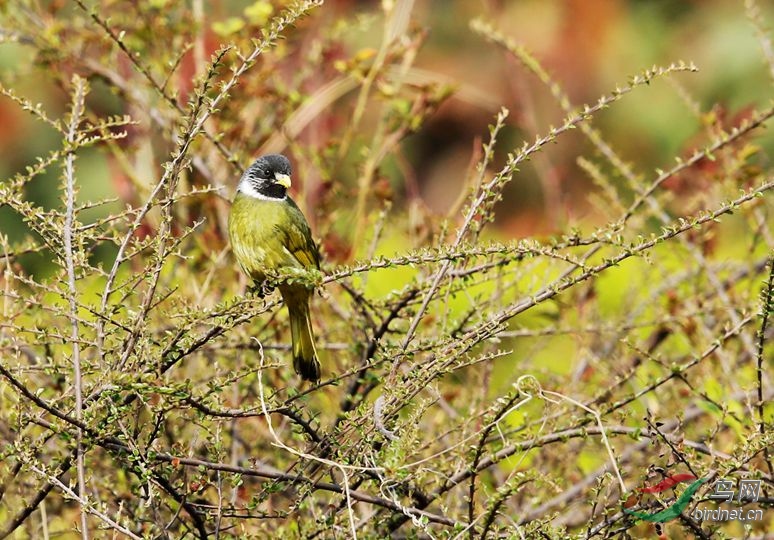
590	47
383	108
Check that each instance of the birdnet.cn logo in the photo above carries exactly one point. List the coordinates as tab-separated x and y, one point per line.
724	490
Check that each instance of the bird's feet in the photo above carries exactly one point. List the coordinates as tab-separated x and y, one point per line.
260	290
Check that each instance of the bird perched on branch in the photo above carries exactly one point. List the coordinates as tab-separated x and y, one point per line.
273	244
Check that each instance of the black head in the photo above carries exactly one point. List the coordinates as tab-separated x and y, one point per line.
268	177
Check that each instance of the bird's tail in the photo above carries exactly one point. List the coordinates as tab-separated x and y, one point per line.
304	353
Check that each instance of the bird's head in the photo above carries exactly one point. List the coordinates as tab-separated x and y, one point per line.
267	178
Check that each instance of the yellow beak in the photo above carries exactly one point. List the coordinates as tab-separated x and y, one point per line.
283	180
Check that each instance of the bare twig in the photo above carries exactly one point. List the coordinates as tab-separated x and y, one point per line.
85	505
79	96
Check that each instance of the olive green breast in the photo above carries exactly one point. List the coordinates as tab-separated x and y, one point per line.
269	235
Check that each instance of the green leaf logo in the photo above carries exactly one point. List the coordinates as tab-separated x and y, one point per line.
672	511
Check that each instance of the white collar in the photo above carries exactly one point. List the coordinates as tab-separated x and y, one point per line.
247	188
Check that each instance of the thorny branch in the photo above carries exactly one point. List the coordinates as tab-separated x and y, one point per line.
140	385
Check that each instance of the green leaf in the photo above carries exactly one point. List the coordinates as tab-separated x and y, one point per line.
230	26
259	12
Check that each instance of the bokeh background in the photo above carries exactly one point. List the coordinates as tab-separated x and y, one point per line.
587	47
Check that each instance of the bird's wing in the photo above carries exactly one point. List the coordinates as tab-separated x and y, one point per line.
300	245
297	239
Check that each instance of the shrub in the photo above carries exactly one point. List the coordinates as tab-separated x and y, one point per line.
473	384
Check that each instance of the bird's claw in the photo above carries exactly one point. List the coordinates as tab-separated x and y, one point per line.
260	290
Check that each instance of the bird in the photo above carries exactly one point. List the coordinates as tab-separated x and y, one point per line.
270	237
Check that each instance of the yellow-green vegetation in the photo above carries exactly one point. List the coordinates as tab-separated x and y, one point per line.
515	335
